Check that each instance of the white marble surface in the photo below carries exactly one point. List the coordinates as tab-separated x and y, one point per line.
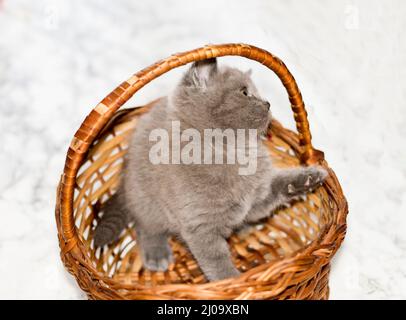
59	58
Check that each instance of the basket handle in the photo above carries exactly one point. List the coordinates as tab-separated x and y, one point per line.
101	114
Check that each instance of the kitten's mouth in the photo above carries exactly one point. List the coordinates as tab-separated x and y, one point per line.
266	131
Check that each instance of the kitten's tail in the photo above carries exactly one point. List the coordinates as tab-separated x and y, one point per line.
113	221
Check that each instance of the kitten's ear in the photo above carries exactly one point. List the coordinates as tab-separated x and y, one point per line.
200	73
248	72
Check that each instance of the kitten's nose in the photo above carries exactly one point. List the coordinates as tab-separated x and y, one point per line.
268	105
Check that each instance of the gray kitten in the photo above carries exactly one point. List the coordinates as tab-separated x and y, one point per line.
201	204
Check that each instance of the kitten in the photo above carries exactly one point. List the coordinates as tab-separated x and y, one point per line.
201	204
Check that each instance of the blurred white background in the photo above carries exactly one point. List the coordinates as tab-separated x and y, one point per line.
59	58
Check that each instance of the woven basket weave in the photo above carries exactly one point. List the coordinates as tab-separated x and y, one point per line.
286	256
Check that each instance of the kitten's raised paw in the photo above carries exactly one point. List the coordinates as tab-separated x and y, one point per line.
158	258
307	181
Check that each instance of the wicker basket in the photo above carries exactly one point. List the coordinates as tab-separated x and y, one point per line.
286	256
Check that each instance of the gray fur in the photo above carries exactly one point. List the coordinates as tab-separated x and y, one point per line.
202	204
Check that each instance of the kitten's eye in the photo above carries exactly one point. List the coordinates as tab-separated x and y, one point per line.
244	91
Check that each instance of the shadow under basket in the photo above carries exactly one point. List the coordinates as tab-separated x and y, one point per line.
286	256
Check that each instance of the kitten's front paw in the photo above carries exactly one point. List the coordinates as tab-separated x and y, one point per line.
307	181
158	258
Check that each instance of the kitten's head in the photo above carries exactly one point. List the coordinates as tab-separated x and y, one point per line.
213	97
